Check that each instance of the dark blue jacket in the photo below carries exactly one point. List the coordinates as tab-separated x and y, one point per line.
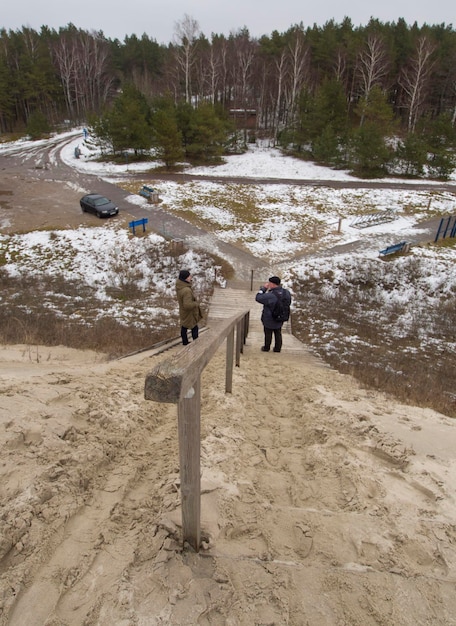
268	300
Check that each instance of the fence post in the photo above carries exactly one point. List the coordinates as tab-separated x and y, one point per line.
238	343
177	380
229	362
438	231
189	428
446	227
453	230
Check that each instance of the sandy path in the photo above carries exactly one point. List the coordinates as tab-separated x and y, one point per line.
322	503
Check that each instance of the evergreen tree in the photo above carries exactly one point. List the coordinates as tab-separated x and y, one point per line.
207	134
301	135
412	154
374	108
369	154
330	109
326	147
167	137
37	125
441	142
7	100
184	113
127	125
322	123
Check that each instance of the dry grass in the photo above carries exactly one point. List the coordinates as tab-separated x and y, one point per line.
52	311
350	333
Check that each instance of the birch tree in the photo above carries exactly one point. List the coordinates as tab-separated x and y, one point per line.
372	66
298	54
186	34
414	80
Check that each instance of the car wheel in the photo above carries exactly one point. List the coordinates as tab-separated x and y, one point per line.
83	208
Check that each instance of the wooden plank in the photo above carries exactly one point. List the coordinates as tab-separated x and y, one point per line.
229	362
170	380
188	417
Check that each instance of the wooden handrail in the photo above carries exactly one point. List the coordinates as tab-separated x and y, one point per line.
170	380
177	380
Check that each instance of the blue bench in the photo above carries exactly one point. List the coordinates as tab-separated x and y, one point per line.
398	247
147	192
141	222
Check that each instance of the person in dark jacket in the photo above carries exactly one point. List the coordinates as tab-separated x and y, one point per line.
268	298
189	308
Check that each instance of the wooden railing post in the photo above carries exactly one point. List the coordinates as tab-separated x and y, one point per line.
238	343
229	362
188	417
178	380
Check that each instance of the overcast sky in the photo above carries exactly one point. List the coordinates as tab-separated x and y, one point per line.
157	18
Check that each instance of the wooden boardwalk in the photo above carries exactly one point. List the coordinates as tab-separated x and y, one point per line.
229	301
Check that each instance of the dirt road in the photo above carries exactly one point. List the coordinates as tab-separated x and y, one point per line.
38	190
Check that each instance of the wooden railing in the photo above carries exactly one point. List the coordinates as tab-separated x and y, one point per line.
178	380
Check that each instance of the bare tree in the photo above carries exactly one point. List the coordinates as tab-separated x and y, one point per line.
208	68
215	66
65	58
83	63
340	65
414	80
372	66
281	70
298	54
222	54
186	34
245	55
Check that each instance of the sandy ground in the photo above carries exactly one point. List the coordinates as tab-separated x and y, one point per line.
323	503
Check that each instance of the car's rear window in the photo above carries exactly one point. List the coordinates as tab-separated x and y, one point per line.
100	201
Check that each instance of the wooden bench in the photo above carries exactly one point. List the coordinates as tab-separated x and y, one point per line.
149	193
135	223
398	247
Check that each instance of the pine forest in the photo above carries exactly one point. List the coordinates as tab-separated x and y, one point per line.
378	99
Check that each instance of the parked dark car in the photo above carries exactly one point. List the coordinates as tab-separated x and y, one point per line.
98	205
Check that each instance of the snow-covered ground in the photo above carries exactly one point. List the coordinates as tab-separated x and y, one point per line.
285	223
283	220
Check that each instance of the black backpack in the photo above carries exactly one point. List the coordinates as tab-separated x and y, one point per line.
281	310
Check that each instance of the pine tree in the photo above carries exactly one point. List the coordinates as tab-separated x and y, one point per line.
167	137
207	134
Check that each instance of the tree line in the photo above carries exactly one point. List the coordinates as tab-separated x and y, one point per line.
376	98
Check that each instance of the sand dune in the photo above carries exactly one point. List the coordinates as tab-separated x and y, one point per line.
322	503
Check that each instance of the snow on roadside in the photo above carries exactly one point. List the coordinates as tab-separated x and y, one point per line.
283	214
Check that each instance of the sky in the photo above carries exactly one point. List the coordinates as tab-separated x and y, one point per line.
261	17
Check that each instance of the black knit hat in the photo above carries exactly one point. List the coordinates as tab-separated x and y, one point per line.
275	280
184	274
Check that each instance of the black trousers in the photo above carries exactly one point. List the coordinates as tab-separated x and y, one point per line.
184	334
268	332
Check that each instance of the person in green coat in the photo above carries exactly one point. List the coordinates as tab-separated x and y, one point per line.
189	308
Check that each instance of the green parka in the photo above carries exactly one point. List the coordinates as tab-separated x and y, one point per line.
189	309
